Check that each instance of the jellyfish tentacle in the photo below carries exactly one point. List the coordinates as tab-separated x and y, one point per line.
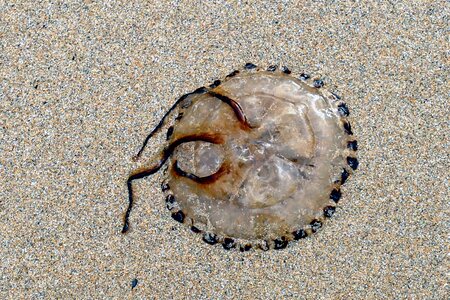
139	175
238	111
164	155
224	168
164	119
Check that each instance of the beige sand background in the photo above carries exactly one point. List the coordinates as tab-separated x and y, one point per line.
82	83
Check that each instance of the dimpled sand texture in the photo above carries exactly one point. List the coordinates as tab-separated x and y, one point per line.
82	83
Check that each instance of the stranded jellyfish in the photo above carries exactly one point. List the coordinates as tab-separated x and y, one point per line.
255	160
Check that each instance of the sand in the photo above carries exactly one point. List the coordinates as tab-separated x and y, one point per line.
81	84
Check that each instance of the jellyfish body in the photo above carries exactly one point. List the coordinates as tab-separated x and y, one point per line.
256	159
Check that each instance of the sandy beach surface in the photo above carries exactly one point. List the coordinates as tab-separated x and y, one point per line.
82	83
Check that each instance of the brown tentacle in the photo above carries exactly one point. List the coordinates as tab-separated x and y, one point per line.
165	154
161	123
224	168
236	108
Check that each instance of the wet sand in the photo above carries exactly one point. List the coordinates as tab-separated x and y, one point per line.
82	84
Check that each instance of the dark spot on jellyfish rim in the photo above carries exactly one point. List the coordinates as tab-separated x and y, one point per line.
232	74
328	211
210	238
195	229
344	176
304	76
299	234
170	199
352	145
228	243
280	243
315	225
215	84
134	283
178	216
180	115
249	66
264	246
245	248
348	128
169	132
318	83
170	206
335	195
170	202
271	68
165	187
352	162
200	90
343	109
285	70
